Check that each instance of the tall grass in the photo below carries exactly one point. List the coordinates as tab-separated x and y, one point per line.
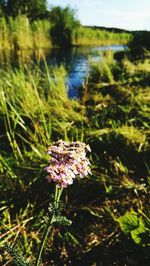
5	42
20	33
41	34
30	102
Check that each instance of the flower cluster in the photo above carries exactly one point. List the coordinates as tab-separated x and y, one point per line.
68	160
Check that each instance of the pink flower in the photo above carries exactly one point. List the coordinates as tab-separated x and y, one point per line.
68	160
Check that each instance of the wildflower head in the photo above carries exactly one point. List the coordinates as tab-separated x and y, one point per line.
68	160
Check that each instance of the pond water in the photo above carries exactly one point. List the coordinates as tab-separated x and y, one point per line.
75	60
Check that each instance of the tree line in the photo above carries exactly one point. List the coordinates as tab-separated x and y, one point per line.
33	9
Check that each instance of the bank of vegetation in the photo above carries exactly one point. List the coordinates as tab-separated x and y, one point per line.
19	33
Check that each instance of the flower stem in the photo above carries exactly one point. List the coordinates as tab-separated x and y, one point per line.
46	232
58	193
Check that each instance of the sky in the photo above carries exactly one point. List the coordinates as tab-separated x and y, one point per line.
123	14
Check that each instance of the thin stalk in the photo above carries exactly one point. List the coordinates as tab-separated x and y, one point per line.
58	193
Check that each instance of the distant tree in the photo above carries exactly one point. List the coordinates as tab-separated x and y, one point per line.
140	40
32	8
14	7
2	7
63	22
37	9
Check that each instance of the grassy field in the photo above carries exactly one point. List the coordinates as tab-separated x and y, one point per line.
109	209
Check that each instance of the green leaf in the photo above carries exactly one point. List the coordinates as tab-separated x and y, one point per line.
137	234
132	224
128	222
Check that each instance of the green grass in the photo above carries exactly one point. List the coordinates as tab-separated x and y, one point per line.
112	116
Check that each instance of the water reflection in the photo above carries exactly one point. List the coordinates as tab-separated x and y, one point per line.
75	60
